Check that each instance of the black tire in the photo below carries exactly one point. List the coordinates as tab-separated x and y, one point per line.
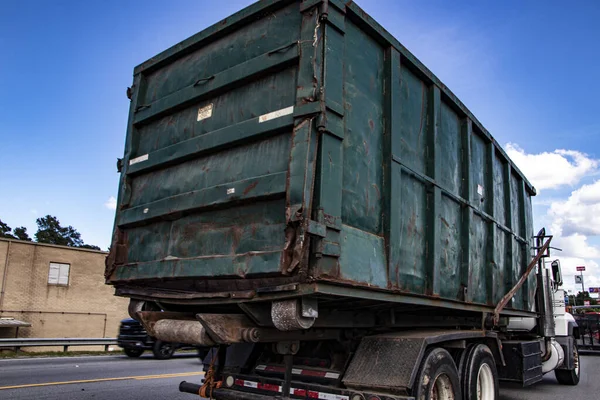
570	376
437	377
133	352
478	373
163	350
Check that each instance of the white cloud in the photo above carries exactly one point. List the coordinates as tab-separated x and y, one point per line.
111	203
33	211
591	276
550	170
580	213
573	219
573	222
575	246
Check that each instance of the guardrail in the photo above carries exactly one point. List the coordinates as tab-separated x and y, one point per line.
589	328
17	343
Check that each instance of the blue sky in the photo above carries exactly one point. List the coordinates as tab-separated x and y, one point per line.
527	70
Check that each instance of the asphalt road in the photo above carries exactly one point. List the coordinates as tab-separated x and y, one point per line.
98	377
550	389
119	377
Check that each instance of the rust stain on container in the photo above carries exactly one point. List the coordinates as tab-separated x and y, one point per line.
346	188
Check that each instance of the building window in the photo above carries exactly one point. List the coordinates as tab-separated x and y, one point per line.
58	274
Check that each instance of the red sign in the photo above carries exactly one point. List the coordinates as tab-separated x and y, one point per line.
582	268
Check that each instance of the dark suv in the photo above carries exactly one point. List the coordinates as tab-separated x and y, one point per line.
134	339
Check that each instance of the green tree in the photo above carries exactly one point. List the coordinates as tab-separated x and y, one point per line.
21	233
580	298
5	231
90	246
50	231
17	233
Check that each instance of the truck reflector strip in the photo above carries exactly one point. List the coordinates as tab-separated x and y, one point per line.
317	395
299	371
311	394
258	385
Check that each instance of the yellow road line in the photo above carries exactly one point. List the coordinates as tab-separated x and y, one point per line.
139	378
119	378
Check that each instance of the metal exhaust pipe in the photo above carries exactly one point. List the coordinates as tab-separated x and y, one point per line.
181	331
189	387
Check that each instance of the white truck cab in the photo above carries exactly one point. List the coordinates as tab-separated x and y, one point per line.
562	357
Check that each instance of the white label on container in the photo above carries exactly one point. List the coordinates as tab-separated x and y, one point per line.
480	190
276	114
138	159
205	112
231	191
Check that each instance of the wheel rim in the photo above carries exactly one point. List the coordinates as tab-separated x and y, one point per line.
165	350
485	383
576	360
442	388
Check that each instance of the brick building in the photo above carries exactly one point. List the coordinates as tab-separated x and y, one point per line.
59	290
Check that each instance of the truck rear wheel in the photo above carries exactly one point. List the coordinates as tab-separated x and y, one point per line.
479	375
437	378
569	376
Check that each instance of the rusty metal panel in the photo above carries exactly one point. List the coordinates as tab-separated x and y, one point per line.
363	136
479	173
413	211
246	43
209	153
518	268
414	108
266	149
363	258
531	280
501	265
451	248
499	191
449	139
516	205
478	259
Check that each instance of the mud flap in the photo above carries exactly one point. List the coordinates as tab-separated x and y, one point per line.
385	362
391	361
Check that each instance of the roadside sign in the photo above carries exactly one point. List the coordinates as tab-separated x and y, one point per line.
586	302
594	290
578	279
581	268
